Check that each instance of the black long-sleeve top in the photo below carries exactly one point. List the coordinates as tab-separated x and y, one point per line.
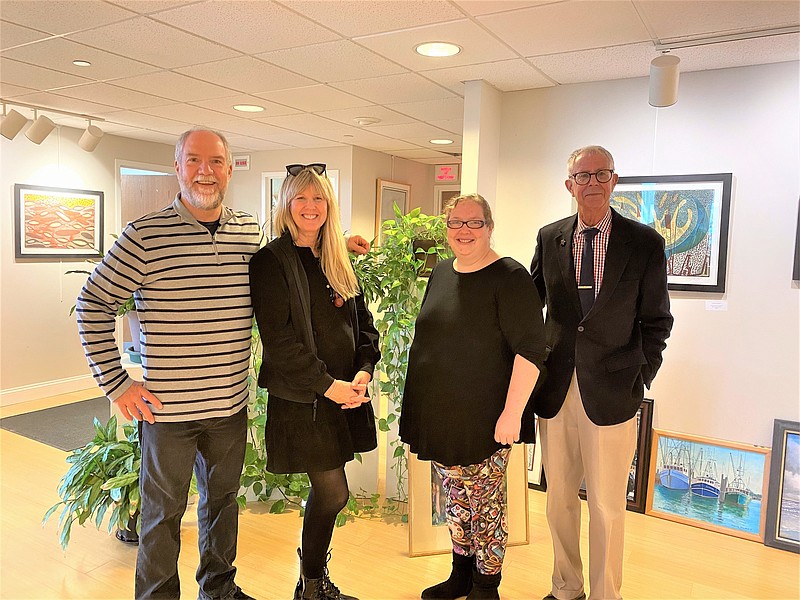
469	330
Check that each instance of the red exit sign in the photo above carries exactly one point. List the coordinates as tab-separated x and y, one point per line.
446	173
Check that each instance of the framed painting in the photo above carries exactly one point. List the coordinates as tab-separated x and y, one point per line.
640	466
59	223
691	212
427	526
389	195
709	483
442	194
535	467
783	504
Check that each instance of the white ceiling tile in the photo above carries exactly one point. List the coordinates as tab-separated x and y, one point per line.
146	7
183	112
618	62
39	78
173	85
348	115
421	154
115	128
425	142
686	18
506	76
407	87
314	98
358	17
477	45
13	35
247	74
251	26
568	26
137	119
410	130
310	124
240	143
58	54
9	90
333	61
226	104
446	108
63	16
782	48
147	41
381	143
487	7
453	126
248	127
153	136
106	93
300	140
50	100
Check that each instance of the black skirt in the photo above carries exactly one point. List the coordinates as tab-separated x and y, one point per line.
299	441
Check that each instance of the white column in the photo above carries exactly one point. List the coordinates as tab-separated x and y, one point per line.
481	141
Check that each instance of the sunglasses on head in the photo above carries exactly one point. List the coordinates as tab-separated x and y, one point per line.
318	168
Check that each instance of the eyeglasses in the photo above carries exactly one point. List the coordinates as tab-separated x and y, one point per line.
471	224
318	168
584	177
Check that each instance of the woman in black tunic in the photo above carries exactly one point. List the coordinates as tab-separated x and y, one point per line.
320	349
478	348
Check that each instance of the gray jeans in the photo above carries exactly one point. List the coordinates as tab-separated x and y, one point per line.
214	448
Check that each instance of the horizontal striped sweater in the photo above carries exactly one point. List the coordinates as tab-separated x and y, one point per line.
192	294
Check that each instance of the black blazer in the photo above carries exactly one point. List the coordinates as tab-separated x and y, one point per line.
616	348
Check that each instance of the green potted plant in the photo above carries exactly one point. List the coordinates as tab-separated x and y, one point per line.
103	476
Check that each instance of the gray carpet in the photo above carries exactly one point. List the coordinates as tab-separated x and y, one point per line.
64	427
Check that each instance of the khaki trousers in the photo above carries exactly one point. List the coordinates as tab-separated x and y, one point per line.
573	450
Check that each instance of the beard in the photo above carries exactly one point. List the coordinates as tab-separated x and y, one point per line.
200	200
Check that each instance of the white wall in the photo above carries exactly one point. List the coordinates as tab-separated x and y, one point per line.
725	374
39	343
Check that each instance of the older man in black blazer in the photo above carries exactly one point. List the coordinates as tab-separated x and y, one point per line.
603	280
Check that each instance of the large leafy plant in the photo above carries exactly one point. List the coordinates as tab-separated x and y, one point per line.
103	476
391	276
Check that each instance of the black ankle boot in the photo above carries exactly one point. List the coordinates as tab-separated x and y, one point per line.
457	585
484	587
321	588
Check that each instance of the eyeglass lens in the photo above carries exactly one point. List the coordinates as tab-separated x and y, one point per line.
602	176
472	224
318	168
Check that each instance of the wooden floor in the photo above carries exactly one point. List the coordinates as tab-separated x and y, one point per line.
663	559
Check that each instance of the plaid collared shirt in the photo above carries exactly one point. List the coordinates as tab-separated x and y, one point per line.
600	247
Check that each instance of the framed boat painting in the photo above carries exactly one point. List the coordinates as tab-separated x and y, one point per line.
691	213
783	506
709	483
427	525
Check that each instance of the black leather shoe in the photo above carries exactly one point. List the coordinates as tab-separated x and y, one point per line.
551	597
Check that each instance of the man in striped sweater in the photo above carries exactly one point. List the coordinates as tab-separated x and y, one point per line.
187	268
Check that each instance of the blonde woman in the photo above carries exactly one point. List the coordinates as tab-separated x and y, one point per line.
320	349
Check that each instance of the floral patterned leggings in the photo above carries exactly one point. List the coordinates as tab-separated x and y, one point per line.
475	509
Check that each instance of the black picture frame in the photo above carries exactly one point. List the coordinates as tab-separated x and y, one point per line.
57	223
783	503
640	466
692	214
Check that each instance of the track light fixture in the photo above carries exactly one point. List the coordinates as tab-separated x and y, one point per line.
664	76
13	122
42	126
91	137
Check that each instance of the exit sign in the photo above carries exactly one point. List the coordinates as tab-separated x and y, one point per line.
241	162
446	173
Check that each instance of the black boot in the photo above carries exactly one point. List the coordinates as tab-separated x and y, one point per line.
457	585
484	587
317	589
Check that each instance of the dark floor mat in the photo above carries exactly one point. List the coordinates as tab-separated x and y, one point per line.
64	427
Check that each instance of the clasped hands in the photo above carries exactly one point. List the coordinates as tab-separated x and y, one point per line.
350	394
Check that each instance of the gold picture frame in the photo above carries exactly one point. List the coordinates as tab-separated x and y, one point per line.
428	533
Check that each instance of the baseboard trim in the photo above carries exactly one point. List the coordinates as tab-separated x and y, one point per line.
45	389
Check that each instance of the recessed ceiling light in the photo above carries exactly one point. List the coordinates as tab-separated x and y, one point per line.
248	108
437	49
81	63
365	121
441	142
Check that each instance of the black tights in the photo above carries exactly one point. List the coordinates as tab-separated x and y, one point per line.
328	495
